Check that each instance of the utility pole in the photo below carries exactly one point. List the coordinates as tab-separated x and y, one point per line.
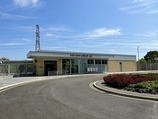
37	47
138	64
138	52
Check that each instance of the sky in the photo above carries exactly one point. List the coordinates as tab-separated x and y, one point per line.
96	26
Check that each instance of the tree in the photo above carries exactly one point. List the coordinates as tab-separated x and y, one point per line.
142	60
150	56
4	58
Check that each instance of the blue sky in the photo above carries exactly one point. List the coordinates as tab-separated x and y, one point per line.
100	26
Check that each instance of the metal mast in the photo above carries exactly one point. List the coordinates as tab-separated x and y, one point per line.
37	47
138	52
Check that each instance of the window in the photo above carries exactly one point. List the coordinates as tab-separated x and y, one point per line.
90	61
104	61
97	61
66	65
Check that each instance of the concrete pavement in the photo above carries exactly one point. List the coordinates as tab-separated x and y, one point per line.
9	81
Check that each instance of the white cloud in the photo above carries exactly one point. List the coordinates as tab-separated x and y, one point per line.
26	3
68	33
151	34
145	2
135	1
102	32
153	12
12	44
60	47
148	45
94	34
4	15
139	6
57	29
49	34
26	40
93	44
151	45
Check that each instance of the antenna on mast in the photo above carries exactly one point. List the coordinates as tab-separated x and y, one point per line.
37	47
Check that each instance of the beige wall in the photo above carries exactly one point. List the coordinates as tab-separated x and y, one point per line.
114	66
59	66
129	66
40	65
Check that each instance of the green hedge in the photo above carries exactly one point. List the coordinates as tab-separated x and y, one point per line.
142	83
144	87
123	80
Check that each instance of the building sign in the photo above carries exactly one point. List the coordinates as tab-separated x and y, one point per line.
80	55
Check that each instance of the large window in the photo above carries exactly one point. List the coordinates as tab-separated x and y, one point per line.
66	65
90	61
97	61
104	61
74	66
70	66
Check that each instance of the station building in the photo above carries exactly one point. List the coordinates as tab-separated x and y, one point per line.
63	62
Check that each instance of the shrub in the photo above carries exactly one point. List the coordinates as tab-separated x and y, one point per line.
123	80
144	87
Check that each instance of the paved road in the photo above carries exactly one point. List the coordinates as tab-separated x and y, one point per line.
70	98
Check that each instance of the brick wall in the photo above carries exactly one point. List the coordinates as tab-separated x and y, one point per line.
40	67
115	66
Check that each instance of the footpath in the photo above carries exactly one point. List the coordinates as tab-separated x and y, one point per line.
9	81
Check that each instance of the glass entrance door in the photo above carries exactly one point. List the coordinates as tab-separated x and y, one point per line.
50	66
70	66
74	66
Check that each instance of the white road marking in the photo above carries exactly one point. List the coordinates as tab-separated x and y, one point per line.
91	86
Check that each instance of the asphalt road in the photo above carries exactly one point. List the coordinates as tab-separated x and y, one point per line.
70	98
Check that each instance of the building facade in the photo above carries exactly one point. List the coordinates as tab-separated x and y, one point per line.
59	62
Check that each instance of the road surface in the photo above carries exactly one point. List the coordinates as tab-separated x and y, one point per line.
70	98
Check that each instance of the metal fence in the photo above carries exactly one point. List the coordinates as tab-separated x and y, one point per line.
11	69
147	66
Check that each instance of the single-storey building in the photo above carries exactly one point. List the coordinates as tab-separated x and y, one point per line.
64	62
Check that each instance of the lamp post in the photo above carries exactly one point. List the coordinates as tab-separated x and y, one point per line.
138	52
138	65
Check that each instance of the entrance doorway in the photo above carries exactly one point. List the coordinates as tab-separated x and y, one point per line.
50	66
120	66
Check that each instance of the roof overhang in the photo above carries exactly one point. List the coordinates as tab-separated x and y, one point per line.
63	54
